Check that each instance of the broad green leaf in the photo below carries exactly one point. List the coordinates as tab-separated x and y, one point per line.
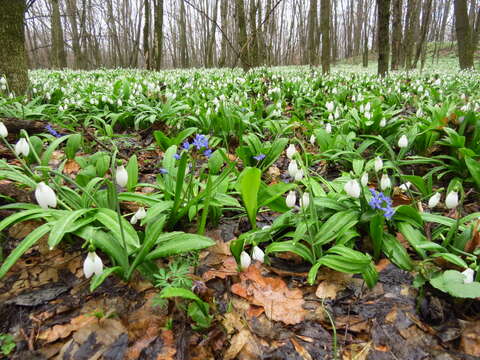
132	170
249	184
180	243
452	282
65	225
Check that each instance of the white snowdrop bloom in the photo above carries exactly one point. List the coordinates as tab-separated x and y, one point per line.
3	130
434	200
139	215
378	164
330	106
469	276
266	227
368	115
305	200
451	200
364	179
22	148
406	186
245	260
368	107
291	199
383	122
385	182
328	128
92	265
292	168
121	176
291	150
352	188
258	254
299	175
403	142
45	196
312	139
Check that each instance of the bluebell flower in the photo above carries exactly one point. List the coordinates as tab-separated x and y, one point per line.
52	131
200	141
259	157
382	202
186	145
177	156
208	153
163	171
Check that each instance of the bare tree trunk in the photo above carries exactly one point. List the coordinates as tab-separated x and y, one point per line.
223	16
211	37
183	36
13	58
446	12
325	27
426	19
77	51
358	29
253	44
383	19
242	33
312	33
396	33
410	26
464	35
158	34
59	58
146	35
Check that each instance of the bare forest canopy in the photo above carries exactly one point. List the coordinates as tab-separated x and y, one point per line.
154	34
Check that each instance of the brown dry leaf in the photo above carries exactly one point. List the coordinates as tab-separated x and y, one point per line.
243	345
470	343
474	243
63	331
301	350
228	268
382	265
280	303
328	290
71	167
355	323
356	351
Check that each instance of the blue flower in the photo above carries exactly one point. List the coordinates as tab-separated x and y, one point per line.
177	156
200	141
381	202
52	131
208	153
259	157
186	145
163	171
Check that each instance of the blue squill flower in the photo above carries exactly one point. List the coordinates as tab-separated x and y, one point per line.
200	141
177	156
163	171
186	145
208	153
52	131
382	202
259	157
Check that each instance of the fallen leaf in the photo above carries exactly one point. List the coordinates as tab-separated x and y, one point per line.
228	268
301	350
63	331
328	290
71	167
280	303
470	343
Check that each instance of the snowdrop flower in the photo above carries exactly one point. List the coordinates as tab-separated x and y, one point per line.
330	106
139	215
245	260
403	142
367	107
291	150
469	276
434	200
406	186
364	179
385	182
22	148
45	196
299	175
383	122
451	201
352	188
121	176
292	168
258	254
312	139
305	200
4	131
291	199
368	115
328	128
92	265
378	164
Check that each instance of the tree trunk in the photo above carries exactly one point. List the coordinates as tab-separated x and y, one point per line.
242	33
253	44
212	37
396	33
446	12
158	34
59	58
183	36
312	32
223	16
77	51
410	26
325	27
146	35
358	29
464	35
13	58
383	19
426	19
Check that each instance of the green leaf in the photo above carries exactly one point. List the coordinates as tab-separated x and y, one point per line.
170	292
336	225
109	219
452	282
64	226
24	245
408	214
97	280
291	246
376	234
474	169
454	259
414	237
396	252
178	244
132	170
73	144
51	148
249	184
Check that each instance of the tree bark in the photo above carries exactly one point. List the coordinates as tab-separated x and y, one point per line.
158	34
146	36
312	32
223	17
242	33
59	58
383	18
464	35
183	36
426	19
396	33
77	51
410	26
13	58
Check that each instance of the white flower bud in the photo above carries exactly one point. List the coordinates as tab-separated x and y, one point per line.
403	142
330	106
383	122
92	265
434	200
22	148
3	130
299	175
45	196
291	199
378	164
352	188
469	276
305	200
385	182
121	176
328	128
406	186
245	260
258	254
312	139
292	168
451	201
291	150
364	179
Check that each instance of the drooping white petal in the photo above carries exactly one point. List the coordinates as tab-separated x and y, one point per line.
305	200
3	130
299	175
45	196
292	168
406	186
403	142
434	200
121	176
383	122
258	254
134	219
364	179
245	260
451	201
22	148
378	163
291	150
92	265
385	182
469	276
141	213
328	128
291	199
352	188
312	139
